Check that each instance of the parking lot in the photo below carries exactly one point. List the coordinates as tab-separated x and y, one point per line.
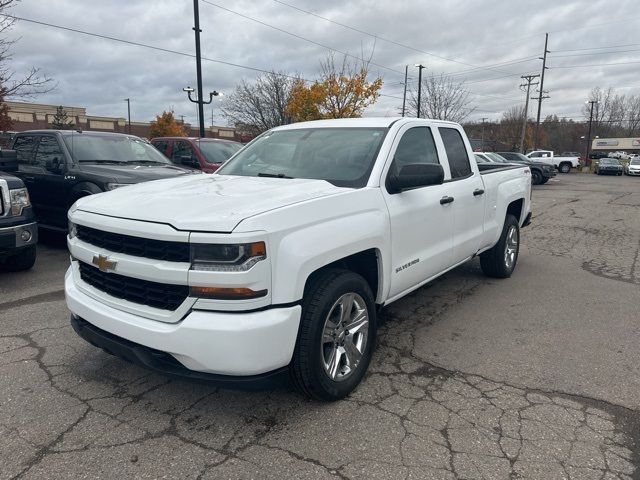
536	376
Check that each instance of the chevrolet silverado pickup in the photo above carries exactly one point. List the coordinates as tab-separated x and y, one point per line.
280	261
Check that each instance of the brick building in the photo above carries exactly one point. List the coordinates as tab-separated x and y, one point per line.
32	116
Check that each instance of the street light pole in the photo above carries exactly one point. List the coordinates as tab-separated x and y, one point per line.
482	134
420	67
128	114
404	95
196	29
592	102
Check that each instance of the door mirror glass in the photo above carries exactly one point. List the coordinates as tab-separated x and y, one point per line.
53	165
414	176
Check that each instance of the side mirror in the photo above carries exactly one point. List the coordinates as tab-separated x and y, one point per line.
189	161
54	165
414	176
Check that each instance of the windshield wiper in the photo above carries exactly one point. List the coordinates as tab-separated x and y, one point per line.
111	162
273	175
149	162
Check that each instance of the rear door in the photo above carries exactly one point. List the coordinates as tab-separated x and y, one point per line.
162	146
182	149
467	189
49	171
25	147
421	226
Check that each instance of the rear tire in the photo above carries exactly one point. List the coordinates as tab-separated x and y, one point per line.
565	167
544	180
500	261
325	365
24	260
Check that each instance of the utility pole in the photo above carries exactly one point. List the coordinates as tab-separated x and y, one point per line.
404	96
420	68
128	114
592	102
529	80
482	134
542	92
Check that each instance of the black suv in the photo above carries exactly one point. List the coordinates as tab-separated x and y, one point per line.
18	228
61	166
540	172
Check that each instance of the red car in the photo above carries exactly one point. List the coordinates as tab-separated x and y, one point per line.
206	154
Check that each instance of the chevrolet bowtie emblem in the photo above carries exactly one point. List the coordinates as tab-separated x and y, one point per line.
103	263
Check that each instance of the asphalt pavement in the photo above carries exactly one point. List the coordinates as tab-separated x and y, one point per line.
536	376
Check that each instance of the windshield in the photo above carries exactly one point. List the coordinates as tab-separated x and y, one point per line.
494	157
218	152
635	161
608	161
121	149
479	159
341	156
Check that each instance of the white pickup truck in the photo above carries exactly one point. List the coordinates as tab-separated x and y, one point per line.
563	164
281	260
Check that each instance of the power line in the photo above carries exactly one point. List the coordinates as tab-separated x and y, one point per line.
595	53
595	65
160	49
282	30
378	37
599	48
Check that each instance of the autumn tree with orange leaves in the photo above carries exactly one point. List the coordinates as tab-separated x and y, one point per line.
343	91
166	125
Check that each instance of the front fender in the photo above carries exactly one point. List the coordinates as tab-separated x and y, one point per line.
302	252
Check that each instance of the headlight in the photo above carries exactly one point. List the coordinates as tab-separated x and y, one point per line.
72	229
113	186
226	257
19	199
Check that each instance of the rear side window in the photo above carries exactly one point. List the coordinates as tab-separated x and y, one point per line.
24	147
456	153
181	149
415	146
48	151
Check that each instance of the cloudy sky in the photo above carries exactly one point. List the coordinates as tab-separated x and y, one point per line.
486	44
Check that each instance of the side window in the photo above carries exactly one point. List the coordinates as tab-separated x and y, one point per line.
161	145
415	146
456	153
536	155
48	150
180	149
24	146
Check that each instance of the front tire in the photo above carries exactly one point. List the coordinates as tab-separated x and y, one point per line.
24	260
536	178
500	261
336	337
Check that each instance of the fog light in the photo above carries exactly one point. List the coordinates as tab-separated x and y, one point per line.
25	236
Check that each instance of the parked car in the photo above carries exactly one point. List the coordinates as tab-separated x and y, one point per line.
563	164
633	167
540	172
206	154
59	167
280	261
609	166
598	154
18	227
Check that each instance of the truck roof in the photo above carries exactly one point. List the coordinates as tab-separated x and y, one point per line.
76	132
363	122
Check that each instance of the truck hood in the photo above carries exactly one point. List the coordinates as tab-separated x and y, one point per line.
134	173
210	203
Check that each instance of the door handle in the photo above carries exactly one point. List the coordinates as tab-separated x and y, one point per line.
478	191
30	179
446	199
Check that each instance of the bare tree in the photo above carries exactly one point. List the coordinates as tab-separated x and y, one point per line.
33	82
261	105
442	98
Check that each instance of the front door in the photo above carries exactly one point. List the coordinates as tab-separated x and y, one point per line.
421	226
48	170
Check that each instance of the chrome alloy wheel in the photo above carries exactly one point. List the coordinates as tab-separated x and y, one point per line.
344	336
511	247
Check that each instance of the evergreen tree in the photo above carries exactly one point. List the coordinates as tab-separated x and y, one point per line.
61	120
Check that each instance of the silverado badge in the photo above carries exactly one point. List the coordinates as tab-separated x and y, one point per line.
103	263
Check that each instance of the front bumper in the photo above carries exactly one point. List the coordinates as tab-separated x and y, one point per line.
219	343
17	236
633	172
